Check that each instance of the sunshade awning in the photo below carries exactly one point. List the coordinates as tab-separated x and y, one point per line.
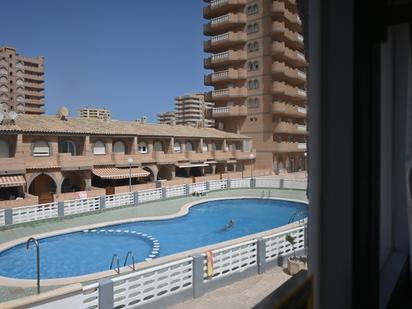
120	173
183	165
12	181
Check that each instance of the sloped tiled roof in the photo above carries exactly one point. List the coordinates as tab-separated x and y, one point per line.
53	125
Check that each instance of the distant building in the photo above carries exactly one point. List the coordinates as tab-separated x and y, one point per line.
166	118
92	112
191	109
21	82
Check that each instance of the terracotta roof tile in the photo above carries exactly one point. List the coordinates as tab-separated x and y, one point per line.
52	124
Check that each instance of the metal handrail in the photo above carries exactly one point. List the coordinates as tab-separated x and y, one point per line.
34	240
130	253
115	257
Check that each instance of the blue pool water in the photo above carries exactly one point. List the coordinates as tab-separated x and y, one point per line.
83	253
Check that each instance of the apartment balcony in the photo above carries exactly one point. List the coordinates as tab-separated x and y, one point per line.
67	162
39	102
224	23
292	76
290	56
39	86
226	94
41	162
283	90
281	33
29	60
197	156
219	7
39	94
281	108
225	76
12	166
121	159
220	155
281	12
229	111
243	155
33	69
34	110
33	77
222	41
290	128
225	58
289	147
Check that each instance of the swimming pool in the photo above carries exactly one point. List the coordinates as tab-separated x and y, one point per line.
91	251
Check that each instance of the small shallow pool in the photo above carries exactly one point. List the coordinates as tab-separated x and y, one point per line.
82	253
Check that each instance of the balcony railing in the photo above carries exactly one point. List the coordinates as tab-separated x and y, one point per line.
219	7
229	111
68	162
294	76
290	56
224	40
290	128
224	22
226	93
198	156
282	13
225	76
282	33
227	57
10	165
284	90
289	147
288	109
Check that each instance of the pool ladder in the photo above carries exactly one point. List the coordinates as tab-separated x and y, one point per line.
115	258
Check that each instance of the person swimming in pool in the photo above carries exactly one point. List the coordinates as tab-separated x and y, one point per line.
229	225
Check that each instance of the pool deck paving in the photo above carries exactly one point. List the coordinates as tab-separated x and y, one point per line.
244	293
167	207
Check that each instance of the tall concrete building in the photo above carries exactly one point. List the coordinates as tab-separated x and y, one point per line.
193	109
95	112
166	118
21	82
259	77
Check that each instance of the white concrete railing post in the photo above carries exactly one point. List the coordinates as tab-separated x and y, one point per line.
60	208
102	202
136	197
8	216
207	186
198	271
261	255
106	297
228	184
164	193
281	183
187	189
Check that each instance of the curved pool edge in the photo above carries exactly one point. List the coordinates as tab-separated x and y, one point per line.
184	210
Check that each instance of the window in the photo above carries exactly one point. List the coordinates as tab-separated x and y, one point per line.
253	46
177	147
204	147
213	146
189	146
119	147
253	103
253	84
252	9
41	149
253	65
142	148
253	28
4	149
68	147
158	146
99	148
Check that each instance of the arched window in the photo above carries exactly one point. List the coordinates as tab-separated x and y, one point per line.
68	147
4	149
119	147
204	148
20	108
41	149
99	148
142	147
189	146
213	146
158	146
177	147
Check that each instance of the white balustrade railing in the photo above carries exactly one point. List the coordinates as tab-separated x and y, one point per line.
121	199
301	74
220	110
34	213
214	3
217	184
197	187
150	195
2	217
175	191
220	92
302	110
302	146
80	206
144	286
220	74
240	183
220	19
302	92
232	259
300	55
276	245
220	37
91	296
295	184
222	55
267	183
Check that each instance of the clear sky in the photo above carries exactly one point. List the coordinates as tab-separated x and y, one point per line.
131	56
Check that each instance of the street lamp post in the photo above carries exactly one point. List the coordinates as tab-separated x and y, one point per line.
130	161
252	156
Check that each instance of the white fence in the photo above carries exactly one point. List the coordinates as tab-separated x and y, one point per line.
34	213
56	209
159	284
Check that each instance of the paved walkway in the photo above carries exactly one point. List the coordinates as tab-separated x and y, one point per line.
157	208
242	294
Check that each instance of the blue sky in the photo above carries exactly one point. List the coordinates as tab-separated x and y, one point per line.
131	56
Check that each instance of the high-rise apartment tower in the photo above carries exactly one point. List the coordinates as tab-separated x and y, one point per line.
259	77
192	109
95	112
21	82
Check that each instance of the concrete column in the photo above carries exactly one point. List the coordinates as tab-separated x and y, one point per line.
8	216
102	202
60	208
88	183
87	146
19	152
200	147
183	145
225	167
229	183
150	146
207	185
261	255
135	144
224	145
213	169
198	285
106	299
234	167
173	171
171	145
